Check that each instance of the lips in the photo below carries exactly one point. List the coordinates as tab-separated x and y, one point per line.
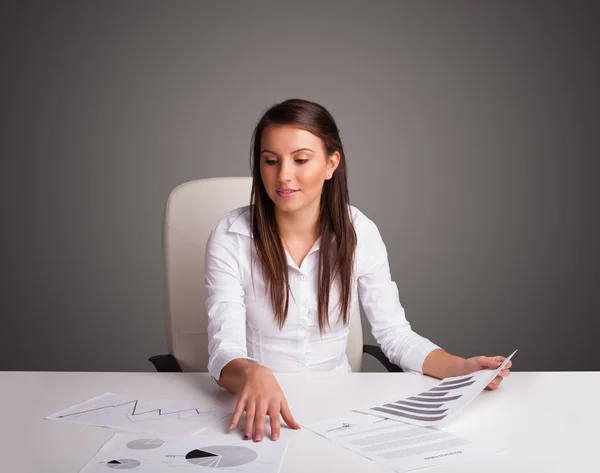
286	192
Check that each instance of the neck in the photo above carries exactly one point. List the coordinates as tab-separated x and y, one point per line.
302	224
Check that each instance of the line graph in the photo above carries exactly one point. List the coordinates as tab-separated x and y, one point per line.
158	411
136	413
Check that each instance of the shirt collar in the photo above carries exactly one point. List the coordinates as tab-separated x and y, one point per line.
241	224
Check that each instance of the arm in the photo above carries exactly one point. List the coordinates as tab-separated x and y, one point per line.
258	392
440	364
234	375
381	302
225	302
380	299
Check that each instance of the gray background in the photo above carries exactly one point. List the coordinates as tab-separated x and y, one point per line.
472	139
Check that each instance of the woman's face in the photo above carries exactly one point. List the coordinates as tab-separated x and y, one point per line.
294	167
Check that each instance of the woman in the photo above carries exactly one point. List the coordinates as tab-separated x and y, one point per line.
283	274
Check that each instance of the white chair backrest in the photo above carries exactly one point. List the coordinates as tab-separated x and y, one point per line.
192	211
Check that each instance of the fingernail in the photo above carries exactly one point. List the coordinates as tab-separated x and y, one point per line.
247	437
231	426
258	438
275	437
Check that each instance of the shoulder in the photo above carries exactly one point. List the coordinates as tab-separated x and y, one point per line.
226	232
364	227
234	221
370	248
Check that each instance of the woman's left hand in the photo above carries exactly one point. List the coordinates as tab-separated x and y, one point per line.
484	362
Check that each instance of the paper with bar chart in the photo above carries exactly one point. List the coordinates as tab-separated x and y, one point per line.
200	453
397	445
132	413
441	402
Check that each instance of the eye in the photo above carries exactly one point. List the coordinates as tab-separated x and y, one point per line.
271	162
301	161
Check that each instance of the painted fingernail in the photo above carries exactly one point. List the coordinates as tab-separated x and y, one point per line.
247	437
275	437
258	438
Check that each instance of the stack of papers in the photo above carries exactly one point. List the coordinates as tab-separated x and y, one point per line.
172	444
398	434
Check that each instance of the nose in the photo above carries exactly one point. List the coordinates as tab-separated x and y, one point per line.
285	171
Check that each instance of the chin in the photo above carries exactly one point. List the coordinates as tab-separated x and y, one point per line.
288	208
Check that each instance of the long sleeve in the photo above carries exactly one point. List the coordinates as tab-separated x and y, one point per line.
225	301
380	300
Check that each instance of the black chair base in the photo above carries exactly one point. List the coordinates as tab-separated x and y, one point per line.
376	352
165	364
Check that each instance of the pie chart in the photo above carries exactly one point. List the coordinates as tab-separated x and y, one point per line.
126	464
221	456
145	444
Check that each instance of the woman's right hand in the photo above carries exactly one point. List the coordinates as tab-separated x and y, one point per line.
261	395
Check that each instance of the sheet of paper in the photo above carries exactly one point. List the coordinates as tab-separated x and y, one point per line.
397	445
145	454
158	416
440	403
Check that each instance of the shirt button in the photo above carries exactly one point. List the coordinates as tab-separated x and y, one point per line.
303	344
303	277
305	303
303	365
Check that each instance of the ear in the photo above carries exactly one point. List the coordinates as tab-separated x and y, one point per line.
333	162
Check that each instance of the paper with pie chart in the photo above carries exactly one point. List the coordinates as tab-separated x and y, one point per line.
440	403
226	453
132	413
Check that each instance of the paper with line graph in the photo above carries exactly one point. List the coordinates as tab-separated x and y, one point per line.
132	413
441	402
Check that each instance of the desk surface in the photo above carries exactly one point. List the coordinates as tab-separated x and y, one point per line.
548	421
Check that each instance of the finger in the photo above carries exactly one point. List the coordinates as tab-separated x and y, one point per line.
259	421
501	359
237	413
484	362
250	411
495	383
495	361
504	373
287	416
274	413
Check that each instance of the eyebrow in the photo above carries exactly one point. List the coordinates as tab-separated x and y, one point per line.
293	152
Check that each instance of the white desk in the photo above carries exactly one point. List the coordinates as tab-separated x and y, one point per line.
529	414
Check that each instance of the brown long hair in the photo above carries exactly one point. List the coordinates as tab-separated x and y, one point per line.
338	238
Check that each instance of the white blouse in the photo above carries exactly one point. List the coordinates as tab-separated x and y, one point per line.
241	322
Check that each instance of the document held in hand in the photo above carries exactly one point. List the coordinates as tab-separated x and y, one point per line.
441	402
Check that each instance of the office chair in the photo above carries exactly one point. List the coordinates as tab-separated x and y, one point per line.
191	212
